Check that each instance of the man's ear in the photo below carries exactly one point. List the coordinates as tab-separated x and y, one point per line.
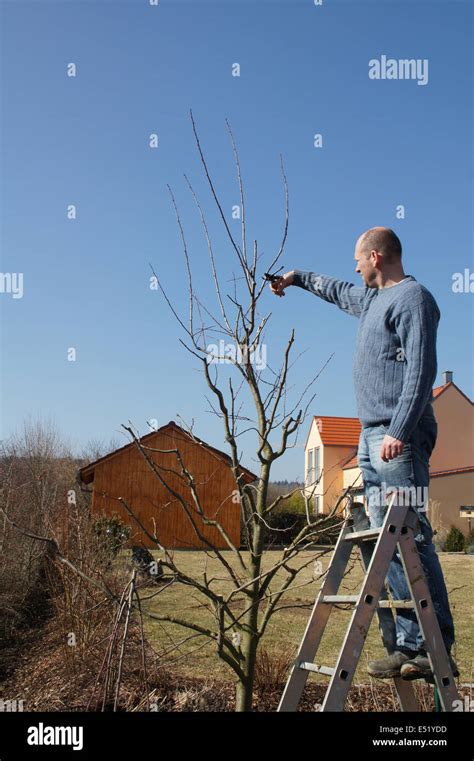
376	258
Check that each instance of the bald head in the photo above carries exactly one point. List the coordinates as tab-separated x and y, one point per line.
382	240
378	256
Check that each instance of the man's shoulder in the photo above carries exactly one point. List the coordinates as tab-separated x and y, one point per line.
416	293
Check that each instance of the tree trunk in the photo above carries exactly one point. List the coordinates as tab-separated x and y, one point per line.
251	637
244	688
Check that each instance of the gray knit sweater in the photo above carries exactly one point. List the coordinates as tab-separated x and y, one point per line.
395	363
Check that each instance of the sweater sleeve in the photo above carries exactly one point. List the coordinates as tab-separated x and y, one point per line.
416	328
346	296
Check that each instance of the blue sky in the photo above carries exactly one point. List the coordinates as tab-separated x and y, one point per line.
84	140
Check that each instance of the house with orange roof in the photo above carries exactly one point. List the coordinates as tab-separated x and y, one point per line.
331	443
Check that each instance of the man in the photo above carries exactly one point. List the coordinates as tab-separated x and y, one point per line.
394	370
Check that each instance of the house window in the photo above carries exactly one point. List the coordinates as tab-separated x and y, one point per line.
316	504
309	468
314	468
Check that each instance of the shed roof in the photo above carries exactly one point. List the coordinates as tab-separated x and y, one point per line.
86	473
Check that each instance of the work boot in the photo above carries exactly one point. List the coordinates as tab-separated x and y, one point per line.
419	668
388	667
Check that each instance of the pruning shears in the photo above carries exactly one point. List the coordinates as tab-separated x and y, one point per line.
272	277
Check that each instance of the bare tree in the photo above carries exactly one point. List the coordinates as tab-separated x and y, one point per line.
249	400
34	472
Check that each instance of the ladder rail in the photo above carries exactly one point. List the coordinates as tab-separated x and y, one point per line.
405	693
316	624
363	614
428	621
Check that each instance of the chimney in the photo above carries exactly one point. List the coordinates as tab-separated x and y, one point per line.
447	377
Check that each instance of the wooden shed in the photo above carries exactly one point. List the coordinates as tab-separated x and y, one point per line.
125	473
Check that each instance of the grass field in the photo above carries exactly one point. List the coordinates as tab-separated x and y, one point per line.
197	657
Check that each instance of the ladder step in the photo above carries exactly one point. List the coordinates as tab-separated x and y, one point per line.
362	536
353	599
307	666
340	598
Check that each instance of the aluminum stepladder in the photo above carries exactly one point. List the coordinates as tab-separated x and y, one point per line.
377	547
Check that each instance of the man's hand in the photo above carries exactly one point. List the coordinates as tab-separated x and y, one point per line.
279	285
391	448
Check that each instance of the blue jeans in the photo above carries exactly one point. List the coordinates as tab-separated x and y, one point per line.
410	469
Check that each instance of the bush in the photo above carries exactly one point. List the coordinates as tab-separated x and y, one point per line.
271	668
454	540
469	541
113	532
290	523
283	527
287	520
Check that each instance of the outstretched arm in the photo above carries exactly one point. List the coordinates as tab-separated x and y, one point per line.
347	296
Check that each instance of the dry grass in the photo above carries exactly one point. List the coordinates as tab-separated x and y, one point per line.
191	678
42	681
197	657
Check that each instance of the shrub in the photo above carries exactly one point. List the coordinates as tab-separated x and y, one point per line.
454	540
282	527
290	523
271	668
113	532
469	541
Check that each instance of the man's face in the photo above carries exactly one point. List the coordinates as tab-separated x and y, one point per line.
365	267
